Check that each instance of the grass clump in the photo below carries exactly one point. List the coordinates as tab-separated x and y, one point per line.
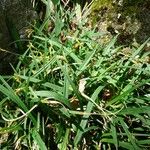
71	92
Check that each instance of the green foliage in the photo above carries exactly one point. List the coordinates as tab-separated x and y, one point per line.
69	91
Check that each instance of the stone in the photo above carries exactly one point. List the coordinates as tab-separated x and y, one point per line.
21	13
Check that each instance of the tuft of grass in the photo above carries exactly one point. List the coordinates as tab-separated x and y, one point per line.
69	91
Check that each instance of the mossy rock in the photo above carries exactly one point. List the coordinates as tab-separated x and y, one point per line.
129	18
98	4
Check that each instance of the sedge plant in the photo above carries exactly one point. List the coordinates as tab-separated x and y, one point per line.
69	91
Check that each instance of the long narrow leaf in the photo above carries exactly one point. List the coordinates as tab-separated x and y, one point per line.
11	94
55	96
84	120
114	135
130	136
83	66
38	140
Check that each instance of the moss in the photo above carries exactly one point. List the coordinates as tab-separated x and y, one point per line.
129	18
99	8
98	4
